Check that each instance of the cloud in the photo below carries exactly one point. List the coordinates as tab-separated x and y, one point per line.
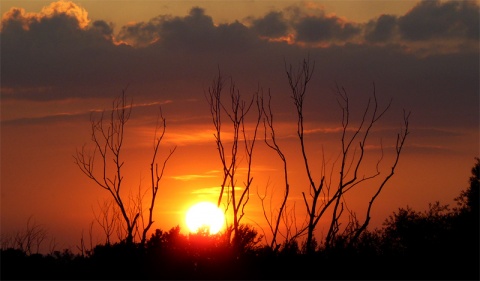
429	28
17	17
416	148
55	49
208	190
324	28
196	31
195	28
381	30
170	30
53	55
192	177
436	19
306	23
141	34
272	25
437	132
103	28
69	9
326	130
68	112
215	190
66	117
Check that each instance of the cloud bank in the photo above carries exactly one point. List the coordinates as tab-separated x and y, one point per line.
428	56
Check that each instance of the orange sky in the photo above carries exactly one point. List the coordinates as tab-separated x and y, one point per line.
123	12
54	74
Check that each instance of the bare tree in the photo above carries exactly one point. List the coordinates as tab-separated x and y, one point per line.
276	217
237	115
156	174
398	149
82	248
107	219
108	139
6	241
29	240
322	194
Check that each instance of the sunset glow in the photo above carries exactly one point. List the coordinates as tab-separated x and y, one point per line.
205	215
64	62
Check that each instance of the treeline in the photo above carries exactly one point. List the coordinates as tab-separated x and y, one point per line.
439	243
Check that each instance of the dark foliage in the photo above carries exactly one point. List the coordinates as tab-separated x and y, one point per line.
440	243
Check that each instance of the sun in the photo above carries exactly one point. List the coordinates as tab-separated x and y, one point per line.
205	214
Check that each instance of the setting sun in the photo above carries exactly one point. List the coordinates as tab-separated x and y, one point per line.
205	214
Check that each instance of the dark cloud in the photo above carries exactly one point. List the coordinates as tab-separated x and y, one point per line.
196	31
321	28
141	34
193	30
47	56
46	120
104	28
56	56
272	25
436	19
382	29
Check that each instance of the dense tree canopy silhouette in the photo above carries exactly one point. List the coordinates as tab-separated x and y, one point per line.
469	198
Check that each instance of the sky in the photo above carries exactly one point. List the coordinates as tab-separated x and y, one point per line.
63	62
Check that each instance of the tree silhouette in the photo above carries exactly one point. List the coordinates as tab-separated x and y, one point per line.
29	240
275	219
236	112
469	198
466	222
108	139
156	174
323	195
444	241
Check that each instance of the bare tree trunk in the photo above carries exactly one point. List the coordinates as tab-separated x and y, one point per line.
30	240
268	125
298	81
237	113
107	219
155	174
398	149
108	137
321	197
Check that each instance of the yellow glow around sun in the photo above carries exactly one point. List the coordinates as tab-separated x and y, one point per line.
205	214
